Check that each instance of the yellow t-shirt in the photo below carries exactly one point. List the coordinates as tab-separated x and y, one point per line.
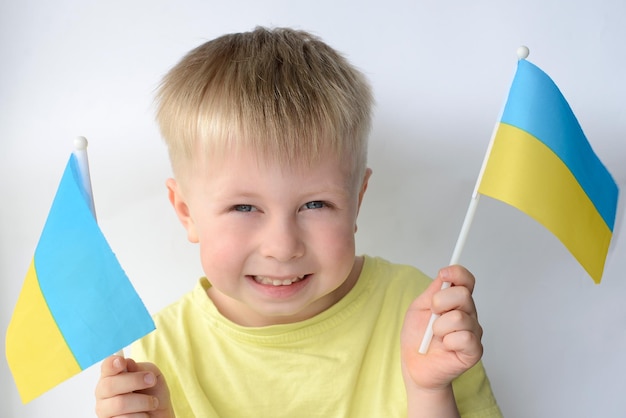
344	362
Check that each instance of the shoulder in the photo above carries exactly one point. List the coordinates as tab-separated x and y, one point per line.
192	304
394	275
190	311
392	287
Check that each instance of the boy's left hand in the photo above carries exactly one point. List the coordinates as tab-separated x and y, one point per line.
456	344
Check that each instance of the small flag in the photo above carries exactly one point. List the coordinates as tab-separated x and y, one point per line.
76	306
542	164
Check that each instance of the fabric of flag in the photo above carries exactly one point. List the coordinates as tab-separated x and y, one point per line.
76	306
542	164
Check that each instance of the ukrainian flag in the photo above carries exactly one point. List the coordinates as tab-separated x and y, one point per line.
542	164
76	306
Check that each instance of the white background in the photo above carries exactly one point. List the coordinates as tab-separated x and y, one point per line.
554	341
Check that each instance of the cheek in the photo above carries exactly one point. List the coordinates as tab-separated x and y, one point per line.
221	251
337	238
336	251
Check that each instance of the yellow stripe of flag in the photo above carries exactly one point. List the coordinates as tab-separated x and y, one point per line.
41	354
523	172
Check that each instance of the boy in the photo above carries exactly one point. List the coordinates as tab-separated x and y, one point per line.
267	135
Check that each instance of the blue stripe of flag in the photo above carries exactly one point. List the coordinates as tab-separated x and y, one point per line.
536	105
90	297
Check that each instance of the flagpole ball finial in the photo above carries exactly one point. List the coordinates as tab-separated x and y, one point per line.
522	52
80	143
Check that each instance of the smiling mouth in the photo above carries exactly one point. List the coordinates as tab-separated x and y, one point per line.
278	282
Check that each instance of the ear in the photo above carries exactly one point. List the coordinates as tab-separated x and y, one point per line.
182	209
366	178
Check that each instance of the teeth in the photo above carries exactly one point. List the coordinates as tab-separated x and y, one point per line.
277	282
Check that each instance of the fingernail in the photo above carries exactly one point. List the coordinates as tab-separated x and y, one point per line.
148	378
155	402
117	363
444	273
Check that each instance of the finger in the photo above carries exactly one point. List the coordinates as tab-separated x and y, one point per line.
112	365
460	333
111	386
456	321
136	415
466	345
454	298
424	301
127	405
131	365
458	276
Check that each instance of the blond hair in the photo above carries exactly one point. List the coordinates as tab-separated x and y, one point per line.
282	92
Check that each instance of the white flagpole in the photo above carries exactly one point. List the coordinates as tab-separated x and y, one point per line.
80	152
522	53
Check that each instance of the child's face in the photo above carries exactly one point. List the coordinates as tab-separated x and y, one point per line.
276	243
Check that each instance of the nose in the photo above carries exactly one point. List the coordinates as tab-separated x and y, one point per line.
282	239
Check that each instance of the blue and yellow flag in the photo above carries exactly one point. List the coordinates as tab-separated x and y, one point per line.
542	164
76	306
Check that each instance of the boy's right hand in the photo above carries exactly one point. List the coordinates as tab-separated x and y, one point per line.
127	388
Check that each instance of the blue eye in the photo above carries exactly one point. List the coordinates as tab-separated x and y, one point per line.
316	204
243	208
